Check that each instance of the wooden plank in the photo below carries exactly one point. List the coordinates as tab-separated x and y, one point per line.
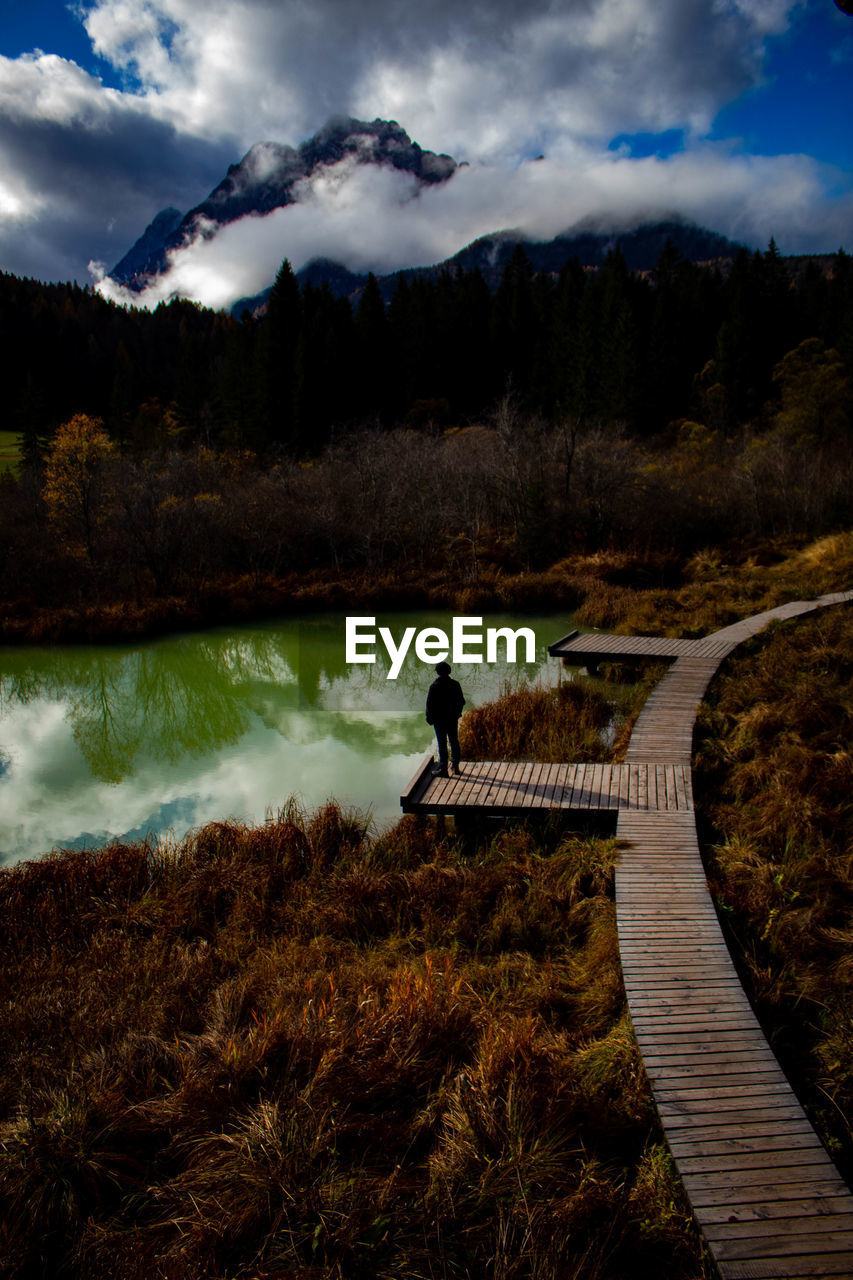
624	779
492	772
554	792
498	794
787	1231
419	781
480	787
814	1209
531	798
715	1202
633	788
514	785
521	780
488	790
756	1161
437	789
657	772
732	1122
827	1254
568	786
595	787
690	1092
502	794
691	1147
579	786
643	787
767	1178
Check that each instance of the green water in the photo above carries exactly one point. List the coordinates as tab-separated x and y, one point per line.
156	738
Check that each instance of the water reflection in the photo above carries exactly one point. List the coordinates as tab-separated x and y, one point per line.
162	736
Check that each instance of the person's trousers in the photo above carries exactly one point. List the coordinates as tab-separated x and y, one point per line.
445	733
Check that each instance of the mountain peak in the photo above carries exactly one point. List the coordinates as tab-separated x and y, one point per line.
268	177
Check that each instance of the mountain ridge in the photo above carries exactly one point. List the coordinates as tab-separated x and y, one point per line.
640	245
267	178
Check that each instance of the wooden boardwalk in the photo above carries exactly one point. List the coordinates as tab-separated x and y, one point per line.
766	1195
584	648
502	788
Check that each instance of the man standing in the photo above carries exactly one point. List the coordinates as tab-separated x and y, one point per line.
443	708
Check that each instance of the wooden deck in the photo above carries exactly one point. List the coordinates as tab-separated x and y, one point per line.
585	648
765	1193
504	789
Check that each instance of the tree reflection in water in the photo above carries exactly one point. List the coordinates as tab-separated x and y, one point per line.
260	706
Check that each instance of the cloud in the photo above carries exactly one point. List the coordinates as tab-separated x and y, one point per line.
83	167
486	79
376	219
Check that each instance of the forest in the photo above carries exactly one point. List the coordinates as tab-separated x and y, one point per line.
311	1048
606	345
455	435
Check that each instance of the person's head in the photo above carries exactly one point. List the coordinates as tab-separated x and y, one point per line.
442	669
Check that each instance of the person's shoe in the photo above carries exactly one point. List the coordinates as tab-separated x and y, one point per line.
441	773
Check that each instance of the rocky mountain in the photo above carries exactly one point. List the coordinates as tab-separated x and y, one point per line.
268	178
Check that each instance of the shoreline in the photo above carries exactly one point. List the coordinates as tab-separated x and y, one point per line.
239	601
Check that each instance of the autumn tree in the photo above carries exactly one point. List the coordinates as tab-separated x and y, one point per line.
74	490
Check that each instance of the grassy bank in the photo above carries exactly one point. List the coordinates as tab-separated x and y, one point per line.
657	594
305	1050
718	587
775	783
579	720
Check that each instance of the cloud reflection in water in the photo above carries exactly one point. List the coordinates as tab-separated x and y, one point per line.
97	743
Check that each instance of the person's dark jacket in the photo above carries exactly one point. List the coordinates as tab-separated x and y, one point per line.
444	701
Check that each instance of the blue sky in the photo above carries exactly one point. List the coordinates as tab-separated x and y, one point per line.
51	26
732	112
805	103
802	102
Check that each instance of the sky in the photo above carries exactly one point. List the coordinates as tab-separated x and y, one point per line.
734	113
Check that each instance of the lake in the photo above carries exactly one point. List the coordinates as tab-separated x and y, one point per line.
152	739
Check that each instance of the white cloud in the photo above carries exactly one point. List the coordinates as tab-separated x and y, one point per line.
374	219
83	167
482	80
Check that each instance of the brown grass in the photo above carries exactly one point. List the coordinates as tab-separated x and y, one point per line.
775	778
579	720
719	586
654	593
302	1050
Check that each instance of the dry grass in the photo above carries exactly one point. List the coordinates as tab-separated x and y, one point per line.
655	593
303	1050
580	720
775	777
566	723
719	586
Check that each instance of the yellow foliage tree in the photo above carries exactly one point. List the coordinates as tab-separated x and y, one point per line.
73	480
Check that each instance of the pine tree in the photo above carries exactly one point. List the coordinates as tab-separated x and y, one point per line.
277	351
